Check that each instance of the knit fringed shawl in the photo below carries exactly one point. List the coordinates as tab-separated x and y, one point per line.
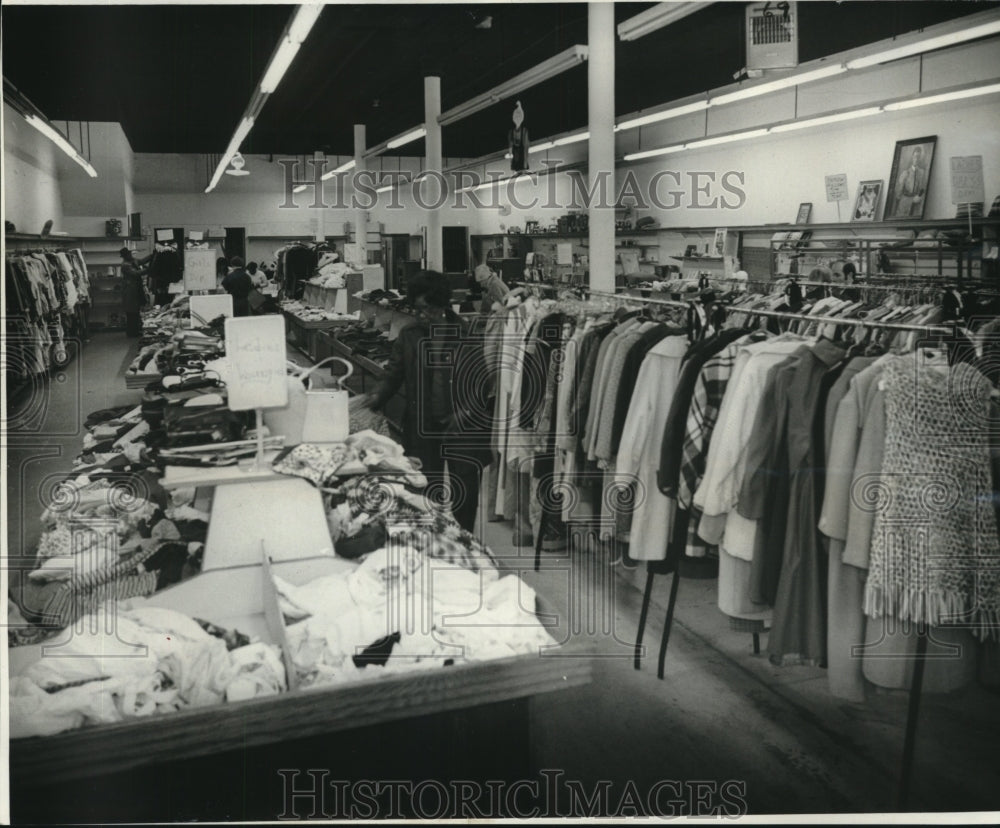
935	555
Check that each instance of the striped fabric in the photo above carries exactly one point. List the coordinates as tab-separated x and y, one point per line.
82	595
705	402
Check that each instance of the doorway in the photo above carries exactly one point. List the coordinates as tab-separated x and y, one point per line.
455	249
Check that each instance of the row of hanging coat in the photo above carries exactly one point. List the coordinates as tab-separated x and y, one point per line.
47	294
770	438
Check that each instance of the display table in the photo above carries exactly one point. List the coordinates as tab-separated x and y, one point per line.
302	335
335	299
466	721
185	477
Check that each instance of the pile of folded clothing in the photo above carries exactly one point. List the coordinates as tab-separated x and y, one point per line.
385	298
154	661
310	313
367	341
109	531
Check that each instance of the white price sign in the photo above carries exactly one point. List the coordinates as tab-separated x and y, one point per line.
255	352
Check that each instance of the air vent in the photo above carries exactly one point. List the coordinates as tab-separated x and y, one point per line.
772	35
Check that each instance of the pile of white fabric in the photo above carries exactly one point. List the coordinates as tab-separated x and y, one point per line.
146	661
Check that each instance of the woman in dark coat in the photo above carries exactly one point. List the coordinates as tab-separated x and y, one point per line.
438	362
133	292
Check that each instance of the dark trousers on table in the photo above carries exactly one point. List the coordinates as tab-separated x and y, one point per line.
447	469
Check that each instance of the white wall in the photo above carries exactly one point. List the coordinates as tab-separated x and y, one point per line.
779	172
31	188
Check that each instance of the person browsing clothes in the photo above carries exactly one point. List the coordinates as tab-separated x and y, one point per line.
439	364
238	284
492	286
133	290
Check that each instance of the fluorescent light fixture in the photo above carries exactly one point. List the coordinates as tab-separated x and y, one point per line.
393	182
638	156
557	142
849	115
406	138
349	165
305	17
663	115
572	139
662	14
298	30
567	59
780	83
57	138
943	97
697	144
726	139
279	64
928	44
486	185
299	189
827	119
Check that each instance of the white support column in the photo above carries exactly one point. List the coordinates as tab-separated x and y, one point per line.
432	164
360	216
321	212
601	159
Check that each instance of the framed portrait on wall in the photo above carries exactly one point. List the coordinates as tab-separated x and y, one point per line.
906	196
866	203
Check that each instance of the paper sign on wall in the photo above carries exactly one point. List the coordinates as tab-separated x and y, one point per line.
164	235
352	255
195	235
836	187
967	179
564	253
255	353
199	270
206	308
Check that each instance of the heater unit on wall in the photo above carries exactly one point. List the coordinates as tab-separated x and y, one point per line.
772	35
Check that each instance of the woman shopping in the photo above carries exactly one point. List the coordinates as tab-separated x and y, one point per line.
447	421
133	291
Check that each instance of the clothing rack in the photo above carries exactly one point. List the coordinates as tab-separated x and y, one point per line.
654	568
789	315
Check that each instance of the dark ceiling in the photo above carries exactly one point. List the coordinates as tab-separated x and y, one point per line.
179	77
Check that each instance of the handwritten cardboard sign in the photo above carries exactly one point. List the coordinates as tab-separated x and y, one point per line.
199	270
255	352
967	179
836	187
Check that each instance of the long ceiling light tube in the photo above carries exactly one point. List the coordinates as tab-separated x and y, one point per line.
960	93
406	138
34	118
778	84
808	123
296	31
410	135
919	45
486	185
57	138
662	14
556	65
349	165
962	30
943	97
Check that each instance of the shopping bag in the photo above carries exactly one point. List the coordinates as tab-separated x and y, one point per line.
312	416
